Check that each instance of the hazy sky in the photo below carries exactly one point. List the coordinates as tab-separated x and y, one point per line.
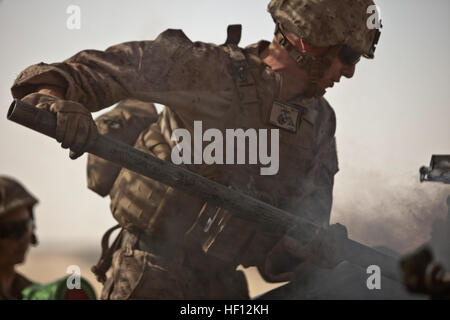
392	116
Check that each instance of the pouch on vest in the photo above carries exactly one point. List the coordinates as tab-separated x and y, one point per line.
141	204
124	123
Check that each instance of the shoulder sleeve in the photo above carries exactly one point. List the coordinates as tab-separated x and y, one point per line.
327	155
168	70
317	205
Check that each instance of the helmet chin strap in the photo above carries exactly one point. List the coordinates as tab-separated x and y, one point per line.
315	66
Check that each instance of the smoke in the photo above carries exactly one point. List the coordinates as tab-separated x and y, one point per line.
392	211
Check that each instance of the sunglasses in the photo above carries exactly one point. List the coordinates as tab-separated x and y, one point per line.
15	229
349	56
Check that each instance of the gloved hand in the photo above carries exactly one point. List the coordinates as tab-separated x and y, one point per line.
75	128
288	255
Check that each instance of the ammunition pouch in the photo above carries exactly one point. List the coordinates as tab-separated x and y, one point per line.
123	123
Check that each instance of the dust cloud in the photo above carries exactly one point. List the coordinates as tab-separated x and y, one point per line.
397	212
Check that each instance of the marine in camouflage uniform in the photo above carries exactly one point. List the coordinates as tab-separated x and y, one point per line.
177	245
16	234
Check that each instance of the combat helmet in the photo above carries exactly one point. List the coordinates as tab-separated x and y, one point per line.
346	26
13	196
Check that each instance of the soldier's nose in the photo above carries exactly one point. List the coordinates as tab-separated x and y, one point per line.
348	71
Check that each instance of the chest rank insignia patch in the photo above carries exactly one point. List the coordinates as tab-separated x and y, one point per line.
284	116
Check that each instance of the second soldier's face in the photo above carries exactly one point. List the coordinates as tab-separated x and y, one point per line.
13	251
334	73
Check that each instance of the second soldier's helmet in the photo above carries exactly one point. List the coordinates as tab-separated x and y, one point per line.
13	195
326	23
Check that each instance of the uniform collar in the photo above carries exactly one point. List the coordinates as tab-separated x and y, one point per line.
255	50
258	47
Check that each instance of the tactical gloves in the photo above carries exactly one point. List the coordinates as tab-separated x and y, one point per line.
75	127
286	259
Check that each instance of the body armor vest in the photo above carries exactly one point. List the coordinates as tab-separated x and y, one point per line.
142	204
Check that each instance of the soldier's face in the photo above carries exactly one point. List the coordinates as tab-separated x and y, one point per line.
334	73
12	251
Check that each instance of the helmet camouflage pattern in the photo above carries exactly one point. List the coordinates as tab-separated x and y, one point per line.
13	196
325	23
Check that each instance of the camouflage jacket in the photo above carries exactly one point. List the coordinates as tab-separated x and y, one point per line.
200	81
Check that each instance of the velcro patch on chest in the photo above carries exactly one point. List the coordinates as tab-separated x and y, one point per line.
284	116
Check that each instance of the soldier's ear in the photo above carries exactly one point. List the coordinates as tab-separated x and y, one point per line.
302	45
298	43
305	47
